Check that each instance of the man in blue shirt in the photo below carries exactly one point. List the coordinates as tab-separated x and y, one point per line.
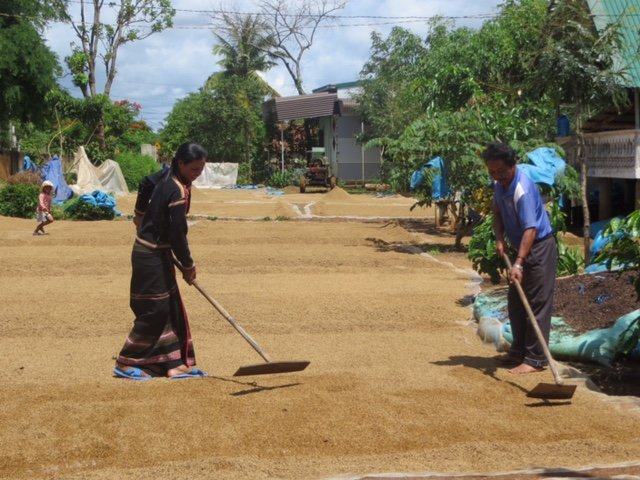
520	214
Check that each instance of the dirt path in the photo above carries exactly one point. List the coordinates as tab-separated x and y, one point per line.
398	380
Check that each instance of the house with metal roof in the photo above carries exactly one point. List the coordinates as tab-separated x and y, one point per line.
339	124
612	144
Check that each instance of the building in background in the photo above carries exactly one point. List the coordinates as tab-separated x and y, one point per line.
339	125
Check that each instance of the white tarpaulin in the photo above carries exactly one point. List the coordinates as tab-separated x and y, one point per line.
107	177
217	175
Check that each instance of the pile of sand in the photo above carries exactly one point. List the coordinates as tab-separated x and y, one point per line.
283	209
338	194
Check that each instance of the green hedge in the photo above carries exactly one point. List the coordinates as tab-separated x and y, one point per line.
280	179
76	209
19	200
135	167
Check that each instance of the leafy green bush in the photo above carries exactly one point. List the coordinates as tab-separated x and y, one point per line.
570	260
135	167
482	251
58	213
244	174
76	209
19	200
624	248
70	177
280	179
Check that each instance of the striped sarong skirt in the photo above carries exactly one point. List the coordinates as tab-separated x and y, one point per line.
160	338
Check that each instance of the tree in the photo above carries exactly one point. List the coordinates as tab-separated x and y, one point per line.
135	20
388	100
575	67
227	121
243	42
449	95
292	28
28	68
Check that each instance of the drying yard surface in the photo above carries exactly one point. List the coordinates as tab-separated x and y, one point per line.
398	380
255	204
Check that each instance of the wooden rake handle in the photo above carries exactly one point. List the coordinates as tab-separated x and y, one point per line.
536	327
228	318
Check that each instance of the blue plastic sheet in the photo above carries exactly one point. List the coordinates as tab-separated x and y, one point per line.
544	167
596	231
242	187
439	187
28	165
274	192
52	171
98	198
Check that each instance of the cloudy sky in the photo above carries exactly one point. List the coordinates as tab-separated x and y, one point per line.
166	66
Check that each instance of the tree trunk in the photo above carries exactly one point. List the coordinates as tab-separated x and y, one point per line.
100	135
583	190
460	226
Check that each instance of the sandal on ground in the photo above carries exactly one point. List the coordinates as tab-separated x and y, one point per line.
131	373
193	373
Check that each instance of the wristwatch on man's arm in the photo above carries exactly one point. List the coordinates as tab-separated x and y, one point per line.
518	263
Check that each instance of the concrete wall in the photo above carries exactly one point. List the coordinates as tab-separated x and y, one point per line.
349	152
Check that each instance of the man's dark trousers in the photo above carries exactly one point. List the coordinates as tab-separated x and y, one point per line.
538	282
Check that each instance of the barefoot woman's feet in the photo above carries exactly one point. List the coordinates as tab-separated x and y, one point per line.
185	372
524	368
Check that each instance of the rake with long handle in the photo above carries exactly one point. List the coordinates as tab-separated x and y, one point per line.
543	390
267	368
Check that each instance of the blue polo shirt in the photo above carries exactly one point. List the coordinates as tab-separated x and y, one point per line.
521	208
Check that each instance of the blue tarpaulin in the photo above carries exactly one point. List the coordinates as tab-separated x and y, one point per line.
439	187
98	198
52	171
28	165
544	167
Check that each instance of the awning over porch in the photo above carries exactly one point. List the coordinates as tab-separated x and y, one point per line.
314	105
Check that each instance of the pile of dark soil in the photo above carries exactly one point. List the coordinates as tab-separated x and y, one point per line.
621	379
594	301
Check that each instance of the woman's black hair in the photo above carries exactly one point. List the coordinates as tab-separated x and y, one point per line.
187	152
500	151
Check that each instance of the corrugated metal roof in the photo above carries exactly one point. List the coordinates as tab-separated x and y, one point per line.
628	12
302	106
337	86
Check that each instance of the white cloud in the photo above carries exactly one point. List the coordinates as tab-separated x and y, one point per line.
164	67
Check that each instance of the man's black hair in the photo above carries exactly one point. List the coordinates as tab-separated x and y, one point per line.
500	151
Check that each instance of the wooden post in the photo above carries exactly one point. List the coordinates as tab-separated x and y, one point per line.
282	148
362	152
636	102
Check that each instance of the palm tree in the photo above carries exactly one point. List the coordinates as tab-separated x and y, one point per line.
244	42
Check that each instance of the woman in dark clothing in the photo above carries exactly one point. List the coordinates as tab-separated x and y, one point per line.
159	343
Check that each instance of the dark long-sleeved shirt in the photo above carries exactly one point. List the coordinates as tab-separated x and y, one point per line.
164	201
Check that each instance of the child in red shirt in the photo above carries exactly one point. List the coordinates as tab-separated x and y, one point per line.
44	207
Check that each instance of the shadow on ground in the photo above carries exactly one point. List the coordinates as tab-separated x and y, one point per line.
489	366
